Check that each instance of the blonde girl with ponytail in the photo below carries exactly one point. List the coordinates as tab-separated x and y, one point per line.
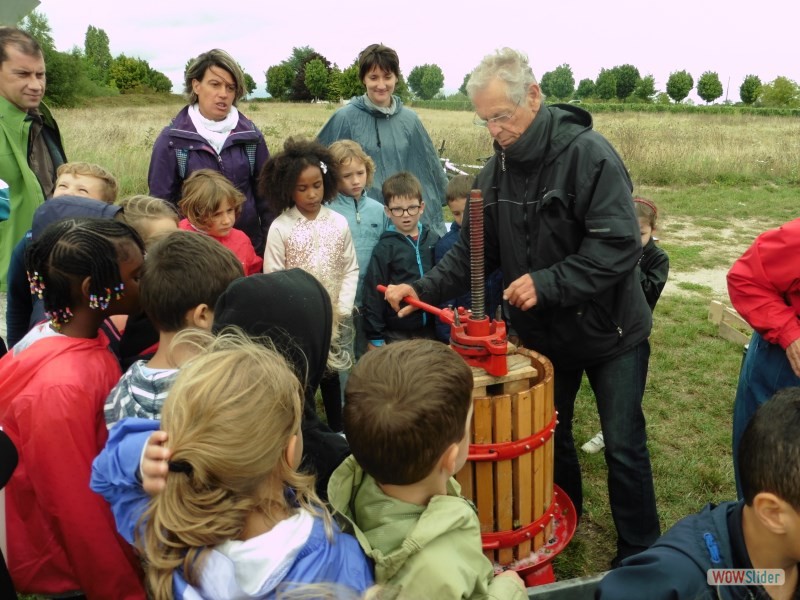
234	517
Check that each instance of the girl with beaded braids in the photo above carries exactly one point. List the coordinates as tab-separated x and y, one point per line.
61	536
234	518
312	237
83	265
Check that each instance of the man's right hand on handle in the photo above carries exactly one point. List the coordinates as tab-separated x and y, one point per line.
394	296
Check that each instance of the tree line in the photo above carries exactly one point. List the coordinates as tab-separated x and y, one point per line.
307	75
625	84
90	71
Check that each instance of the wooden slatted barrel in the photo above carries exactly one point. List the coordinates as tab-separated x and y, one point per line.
509	472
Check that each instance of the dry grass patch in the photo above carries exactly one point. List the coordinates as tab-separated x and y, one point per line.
659	149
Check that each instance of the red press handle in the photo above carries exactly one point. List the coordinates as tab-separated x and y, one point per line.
429	308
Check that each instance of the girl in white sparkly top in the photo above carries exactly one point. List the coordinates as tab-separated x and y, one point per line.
312	237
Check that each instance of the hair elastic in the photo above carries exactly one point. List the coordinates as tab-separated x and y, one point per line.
59	317
96	301
36	284
323	167
180	466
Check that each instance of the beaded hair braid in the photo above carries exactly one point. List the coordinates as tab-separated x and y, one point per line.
70	250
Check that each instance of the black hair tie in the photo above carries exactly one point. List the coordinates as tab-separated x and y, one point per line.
179	466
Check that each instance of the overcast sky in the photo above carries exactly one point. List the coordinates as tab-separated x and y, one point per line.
733	38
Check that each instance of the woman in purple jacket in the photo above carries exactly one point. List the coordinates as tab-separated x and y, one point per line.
210	133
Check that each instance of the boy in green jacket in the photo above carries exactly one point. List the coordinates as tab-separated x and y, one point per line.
396	493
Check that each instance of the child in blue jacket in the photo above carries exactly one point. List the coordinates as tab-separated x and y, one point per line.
733	550
234	518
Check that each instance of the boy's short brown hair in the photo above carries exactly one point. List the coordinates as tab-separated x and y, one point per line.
459	187
110	185
401	184
398	422
184	270
142	212
204	191
344	151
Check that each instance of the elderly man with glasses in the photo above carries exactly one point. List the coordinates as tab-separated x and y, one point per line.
560	223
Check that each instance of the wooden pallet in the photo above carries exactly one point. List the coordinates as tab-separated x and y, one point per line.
732	326
510	493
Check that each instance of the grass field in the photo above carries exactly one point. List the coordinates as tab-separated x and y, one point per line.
659	149
718	181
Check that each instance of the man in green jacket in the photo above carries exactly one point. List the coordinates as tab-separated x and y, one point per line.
30	144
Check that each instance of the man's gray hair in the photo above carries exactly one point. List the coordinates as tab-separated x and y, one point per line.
507	65
214	58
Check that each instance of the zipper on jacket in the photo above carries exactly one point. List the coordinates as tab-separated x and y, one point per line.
503	161
358	214
713	548
378	133
525	225
609	318
415	244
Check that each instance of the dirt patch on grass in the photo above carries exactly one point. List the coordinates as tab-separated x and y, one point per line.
723	243
693	282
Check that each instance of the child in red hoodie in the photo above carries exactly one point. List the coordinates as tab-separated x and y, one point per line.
211	205
61	536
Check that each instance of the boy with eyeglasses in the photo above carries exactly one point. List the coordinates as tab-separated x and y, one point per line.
403	254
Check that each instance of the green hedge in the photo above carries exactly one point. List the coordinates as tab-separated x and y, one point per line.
443	104
598	107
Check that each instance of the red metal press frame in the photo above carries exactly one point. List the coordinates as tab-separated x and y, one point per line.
481	341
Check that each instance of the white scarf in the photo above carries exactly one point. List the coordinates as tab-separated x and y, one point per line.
215	132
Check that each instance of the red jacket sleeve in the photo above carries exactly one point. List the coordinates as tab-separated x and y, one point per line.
253	263
62	443
764	284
